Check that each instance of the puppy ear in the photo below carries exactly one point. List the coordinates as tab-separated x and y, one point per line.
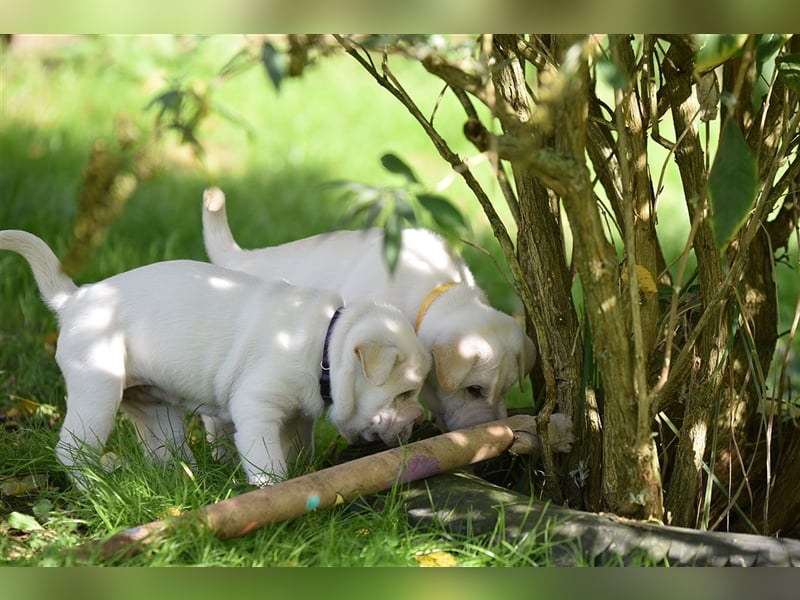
526	359
377	361
455	359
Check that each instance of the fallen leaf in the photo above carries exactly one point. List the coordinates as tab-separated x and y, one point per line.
49	339
110	461
17	411
42	508
17	486
23	522
436	558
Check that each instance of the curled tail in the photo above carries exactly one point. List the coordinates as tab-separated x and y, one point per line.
54	285
220	245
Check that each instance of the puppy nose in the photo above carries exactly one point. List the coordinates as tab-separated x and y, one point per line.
403	435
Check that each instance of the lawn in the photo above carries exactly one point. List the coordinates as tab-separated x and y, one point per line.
275	167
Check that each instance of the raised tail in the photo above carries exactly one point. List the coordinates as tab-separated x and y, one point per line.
54	285
220	245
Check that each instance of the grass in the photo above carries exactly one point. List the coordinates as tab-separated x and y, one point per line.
332	124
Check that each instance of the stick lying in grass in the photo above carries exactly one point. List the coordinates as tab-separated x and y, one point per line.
242	514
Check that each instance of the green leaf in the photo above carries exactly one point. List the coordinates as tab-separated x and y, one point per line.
234	118
612	74
366	214
446	215
238	63
732	184
275	64
768	45
42	508
168	101
403	207
23	522
360	192
392	240
394	164
716	49
374	212
789	70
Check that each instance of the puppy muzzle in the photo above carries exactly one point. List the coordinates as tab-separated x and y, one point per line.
470	414
393	428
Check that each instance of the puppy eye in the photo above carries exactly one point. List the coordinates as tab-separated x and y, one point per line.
405	396
475	391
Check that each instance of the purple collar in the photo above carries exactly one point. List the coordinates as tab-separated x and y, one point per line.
325	375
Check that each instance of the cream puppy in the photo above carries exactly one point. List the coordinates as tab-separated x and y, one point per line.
183	335
478	352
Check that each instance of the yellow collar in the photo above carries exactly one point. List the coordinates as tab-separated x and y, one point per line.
438	291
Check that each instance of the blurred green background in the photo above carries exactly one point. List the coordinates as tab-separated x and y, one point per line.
272	152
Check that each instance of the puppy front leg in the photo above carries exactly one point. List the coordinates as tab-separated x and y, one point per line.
258	441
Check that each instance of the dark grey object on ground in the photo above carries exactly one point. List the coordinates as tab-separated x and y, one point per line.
466	504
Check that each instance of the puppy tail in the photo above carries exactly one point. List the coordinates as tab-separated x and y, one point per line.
219	242
54	285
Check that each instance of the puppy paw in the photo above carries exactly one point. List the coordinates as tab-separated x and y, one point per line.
213	199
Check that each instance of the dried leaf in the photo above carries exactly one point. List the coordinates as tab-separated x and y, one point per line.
19	410
437	558
708	96
110	461
18	486
645	279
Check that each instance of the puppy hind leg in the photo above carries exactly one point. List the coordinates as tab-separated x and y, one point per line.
219	434
92	404
297	440
158	422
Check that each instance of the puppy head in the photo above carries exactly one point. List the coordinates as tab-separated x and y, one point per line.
377	370
474	368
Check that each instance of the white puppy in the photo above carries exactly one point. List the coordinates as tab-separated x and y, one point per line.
478	352
185	335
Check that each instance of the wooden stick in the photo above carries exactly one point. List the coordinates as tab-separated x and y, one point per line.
248	512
